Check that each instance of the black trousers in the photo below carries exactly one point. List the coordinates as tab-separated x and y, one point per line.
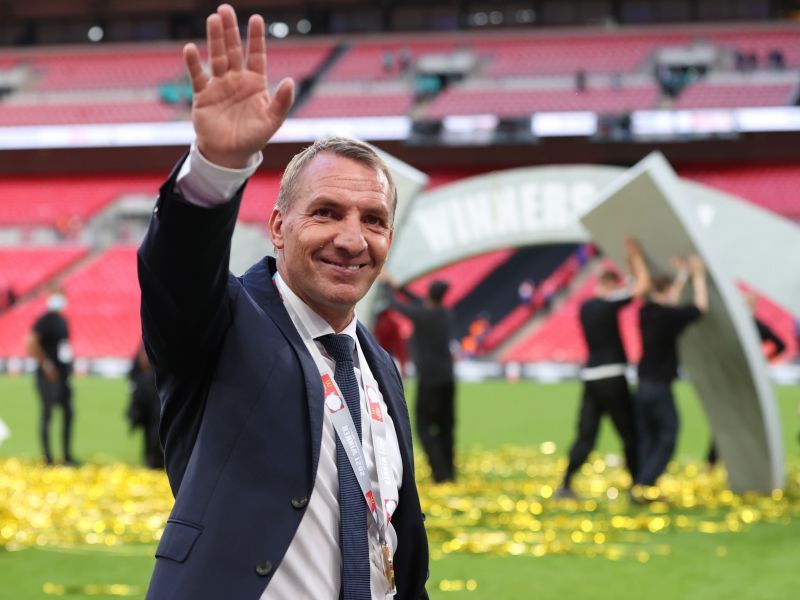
610	396
52	394
435	424
152	453
657	429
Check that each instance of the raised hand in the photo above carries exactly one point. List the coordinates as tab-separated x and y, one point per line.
233	114
696	265
679	263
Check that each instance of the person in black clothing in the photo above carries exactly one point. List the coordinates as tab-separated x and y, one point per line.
661	322
435	408
144	409
605	388
49	344
776	348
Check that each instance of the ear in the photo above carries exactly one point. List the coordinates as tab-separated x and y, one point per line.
276	228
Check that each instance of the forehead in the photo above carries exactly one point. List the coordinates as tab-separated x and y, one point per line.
334	176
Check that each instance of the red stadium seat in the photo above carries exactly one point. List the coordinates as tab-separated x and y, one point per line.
773	187
569	53
523	102
364	62
462	276
356	105
709	95
51	200
87	113
103	309
25	268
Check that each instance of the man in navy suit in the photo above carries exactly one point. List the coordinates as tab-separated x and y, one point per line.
276	497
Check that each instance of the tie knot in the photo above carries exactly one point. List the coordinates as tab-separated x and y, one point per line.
339	345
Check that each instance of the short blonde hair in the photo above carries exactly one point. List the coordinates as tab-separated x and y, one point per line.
340	146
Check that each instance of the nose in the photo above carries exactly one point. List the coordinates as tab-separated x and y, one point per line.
350	236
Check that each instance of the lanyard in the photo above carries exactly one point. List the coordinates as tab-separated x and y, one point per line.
342	421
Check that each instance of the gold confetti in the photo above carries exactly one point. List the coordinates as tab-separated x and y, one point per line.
115	589
503	503
95	506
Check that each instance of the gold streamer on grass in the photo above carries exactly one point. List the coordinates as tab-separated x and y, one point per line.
114	589
91	506
504	503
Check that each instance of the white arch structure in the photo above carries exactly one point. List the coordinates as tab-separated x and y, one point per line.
560	204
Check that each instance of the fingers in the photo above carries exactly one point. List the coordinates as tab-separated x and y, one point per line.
256	48
217	56
230	33
283	99
194	66
696	264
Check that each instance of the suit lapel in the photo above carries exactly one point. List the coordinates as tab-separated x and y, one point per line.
258	283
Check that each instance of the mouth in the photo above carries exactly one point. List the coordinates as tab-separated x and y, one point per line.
344	266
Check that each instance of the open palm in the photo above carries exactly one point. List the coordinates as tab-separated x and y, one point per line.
233	114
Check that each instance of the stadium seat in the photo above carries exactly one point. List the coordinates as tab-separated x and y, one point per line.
462	276
364	61
102	310
570	52
87	113
708	95
53	200
356	105
773	187
524	102
25	268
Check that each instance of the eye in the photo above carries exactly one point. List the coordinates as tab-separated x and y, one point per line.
324	212
374	220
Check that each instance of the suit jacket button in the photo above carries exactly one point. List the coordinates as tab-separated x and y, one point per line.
299	502
263	568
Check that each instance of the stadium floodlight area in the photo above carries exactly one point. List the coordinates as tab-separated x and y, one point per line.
722	352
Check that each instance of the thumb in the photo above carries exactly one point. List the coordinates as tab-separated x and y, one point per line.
283	100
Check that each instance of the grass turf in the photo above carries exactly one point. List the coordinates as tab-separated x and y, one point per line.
761	563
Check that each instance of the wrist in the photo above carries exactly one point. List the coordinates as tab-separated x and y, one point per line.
226	160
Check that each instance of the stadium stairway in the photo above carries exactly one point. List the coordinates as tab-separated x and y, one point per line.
532	325
305	88
497	294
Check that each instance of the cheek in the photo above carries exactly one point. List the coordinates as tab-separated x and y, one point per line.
307	241
379	245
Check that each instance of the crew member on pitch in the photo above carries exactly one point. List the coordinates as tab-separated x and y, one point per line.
605	388
436	385
661	321
49	344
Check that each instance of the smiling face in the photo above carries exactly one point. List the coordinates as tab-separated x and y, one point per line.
333	238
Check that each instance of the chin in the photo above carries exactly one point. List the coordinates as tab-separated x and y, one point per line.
345	298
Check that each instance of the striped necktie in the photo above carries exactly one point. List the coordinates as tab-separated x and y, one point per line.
352	506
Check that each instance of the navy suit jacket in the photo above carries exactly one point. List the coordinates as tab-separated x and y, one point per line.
241	413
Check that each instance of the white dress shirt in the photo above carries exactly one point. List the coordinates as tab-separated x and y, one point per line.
311	567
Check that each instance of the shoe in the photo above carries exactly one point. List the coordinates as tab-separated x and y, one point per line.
566	493
71	462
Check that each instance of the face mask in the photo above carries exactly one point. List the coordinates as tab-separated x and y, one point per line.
56	302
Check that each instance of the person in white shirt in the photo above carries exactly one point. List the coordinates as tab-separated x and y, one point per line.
286	434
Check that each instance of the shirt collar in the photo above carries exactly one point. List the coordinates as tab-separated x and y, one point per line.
317	326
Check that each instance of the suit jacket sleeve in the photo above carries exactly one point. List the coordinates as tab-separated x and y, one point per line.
183	274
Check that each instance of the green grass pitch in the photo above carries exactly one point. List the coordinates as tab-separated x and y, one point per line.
761	563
